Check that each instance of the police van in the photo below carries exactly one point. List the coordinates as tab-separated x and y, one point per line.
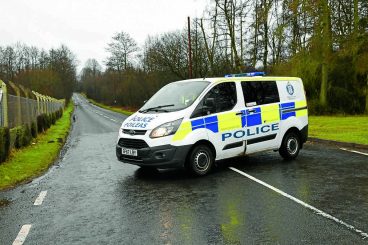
193	123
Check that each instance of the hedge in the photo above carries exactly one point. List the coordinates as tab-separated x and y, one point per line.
4	144
44	121
22	135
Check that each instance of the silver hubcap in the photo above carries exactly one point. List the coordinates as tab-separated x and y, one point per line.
202	161
292	145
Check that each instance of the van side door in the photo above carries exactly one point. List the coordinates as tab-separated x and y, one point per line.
220	113
262	114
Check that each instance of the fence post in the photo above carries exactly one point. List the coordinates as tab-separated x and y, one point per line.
38	102
3	105
45	103
18	120
28	105
42	103
49	109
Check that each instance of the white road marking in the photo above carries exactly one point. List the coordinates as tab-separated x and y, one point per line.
22	235
113	120
361	153
363	234
40	198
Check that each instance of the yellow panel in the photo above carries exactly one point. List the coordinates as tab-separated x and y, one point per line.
270	113
300	104
228	121
184	129
302	113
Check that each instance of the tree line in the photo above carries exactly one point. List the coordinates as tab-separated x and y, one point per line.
51	72
325	42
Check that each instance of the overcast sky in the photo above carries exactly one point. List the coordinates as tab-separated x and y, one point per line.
86	26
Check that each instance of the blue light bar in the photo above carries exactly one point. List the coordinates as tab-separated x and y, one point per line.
249	74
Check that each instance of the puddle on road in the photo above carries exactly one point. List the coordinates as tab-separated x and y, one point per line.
4	202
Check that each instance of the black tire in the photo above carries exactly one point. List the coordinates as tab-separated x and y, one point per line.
290	146
200	160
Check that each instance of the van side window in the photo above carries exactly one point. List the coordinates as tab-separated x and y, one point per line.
220	98
259	93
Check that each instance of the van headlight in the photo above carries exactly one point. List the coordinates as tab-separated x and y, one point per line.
166	129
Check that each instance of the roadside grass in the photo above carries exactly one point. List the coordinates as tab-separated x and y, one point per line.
111	108
352	129
33	160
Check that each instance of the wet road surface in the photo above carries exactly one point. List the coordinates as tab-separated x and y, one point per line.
91	198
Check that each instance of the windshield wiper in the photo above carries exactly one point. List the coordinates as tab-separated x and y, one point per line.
156	108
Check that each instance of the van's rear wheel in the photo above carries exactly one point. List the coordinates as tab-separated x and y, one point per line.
290	146
200	160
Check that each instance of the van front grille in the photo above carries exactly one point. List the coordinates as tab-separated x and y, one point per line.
134	132
132	143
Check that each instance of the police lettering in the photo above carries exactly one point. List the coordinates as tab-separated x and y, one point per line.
142	119
251	131
138	122
135	125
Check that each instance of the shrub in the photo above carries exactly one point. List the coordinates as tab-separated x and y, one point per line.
23	136
19	137
27	135
40	123
4	144
34	129
48	120
53	118
315	108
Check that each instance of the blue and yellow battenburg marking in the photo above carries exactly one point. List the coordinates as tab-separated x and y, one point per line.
264	114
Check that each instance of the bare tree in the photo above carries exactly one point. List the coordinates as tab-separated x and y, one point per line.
121	48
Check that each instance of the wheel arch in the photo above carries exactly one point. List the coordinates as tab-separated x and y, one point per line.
297	132
202	142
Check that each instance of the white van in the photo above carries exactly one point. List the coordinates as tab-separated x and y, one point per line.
194	123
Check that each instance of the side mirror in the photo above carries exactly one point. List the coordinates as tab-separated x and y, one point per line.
205	108
209	106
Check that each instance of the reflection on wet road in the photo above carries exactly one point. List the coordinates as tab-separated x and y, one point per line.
94	199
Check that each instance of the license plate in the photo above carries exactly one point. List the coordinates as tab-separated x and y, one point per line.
129	152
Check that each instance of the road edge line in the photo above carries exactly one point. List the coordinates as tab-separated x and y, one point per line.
306	205
353	151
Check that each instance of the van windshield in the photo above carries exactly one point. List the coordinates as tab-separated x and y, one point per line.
174	96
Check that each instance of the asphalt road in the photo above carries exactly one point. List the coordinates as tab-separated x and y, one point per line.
94	199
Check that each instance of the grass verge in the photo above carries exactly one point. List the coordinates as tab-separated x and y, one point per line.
111	108
351	129
33	160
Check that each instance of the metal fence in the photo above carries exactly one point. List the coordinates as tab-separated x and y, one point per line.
17	110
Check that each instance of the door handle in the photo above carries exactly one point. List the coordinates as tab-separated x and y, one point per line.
241	113
251	111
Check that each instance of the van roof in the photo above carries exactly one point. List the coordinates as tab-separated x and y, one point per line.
243	79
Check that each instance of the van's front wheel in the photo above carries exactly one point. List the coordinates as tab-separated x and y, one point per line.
200	160
290	146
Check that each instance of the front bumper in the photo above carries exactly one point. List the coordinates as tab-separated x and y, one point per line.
165	156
